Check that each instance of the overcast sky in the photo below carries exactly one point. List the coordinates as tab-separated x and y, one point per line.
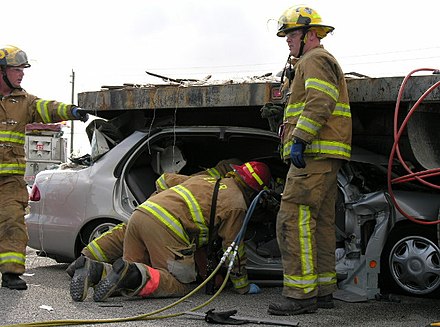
111	42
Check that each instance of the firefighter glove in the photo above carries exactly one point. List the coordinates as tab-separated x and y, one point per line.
297	153
254	289
80	114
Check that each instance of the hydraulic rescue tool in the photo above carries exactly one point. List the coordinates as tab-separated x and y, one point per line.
229	318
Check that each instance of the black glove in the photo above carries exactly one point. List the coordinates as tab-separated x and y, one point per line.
274	114
80	114
223	317
297	153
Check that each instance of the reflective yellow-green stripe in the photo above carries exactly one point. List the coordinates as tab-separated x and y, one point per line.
330	147
294	109
161	183
239	282
62	111
323	86
305	240
213	172
306	283
254	174
96	250
308	280
342	109
322	147
12	257
167	219
196	212
12	137
308	125
42	108
18	169
327	278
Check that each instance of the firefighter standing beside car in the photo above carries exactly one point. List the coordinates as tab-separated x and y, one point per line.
164	232
316	139
18	108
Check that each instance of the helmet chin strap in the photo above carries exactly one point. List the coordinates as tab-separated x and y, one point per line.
7	81
303	39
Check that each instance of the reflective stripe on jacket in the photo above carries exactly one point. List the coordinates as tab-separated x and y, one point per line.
185	210
16	111
318	110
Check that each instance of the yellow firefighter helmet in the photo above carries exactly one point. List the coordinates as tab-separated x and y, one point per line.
296	18
13	56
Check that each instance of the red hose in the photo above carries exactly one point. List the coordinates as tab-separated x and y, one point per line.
395	151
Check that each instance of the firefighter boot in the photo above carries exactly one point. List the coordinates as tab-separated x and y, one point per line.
13	281
128	278
290	307
70	270
87	273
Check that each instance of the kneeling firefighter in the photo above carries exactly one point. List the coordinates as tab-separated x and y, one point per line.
164	232
109	246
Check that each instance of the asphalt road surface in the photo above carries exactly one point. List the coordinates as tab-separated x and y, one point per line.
48	299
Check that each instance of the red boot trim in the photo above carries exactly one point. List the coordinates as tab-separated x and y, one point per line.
152	284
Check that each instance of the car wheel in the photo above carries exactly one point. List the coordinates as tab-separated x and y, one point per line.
94	230
411	262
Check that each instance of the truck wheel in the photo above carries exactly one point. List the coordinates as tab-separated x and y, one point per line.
94	230
410	262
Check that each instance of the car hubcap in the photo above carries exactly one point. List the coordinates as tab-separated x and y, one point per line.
415	265
101	229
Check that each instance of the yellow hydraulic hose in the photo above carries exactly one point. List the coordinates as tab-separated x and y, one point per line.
232	250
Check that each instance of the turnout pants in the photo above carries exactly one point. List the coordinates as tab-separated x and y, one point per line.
108	247
306	229
13	233
150	242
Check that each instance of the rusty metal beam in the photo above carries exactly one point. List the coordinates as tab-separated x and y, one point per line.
361	90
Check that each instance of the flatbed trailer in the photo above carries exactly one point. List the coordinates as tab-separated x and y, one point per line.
372	101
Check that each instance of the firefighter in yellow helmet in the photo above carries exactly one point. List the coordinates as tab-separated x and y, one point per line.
18	108
164	232
316	140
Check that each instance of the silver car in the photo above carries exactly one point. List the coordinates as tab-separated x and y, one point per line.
378	248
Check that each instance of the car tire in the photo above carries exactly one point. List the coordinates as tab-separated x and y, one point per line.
94	230
410	262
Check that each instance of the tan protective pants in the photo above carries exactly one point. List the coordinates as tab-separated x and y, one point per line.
13	233
108	247
150	242
306	229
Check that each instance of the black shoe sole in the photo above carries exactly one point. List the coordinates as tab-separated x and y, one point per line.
79	285
106	287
